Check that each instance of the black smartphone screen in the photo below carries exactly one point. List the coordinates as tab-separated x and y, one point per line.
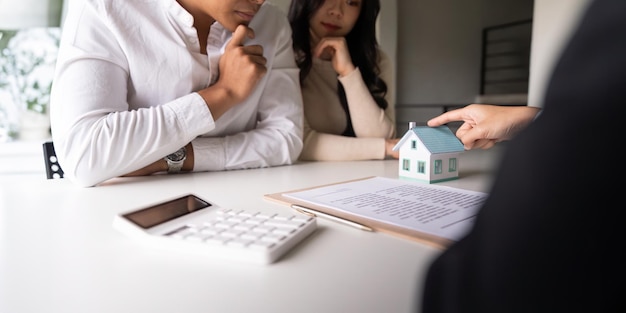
166	211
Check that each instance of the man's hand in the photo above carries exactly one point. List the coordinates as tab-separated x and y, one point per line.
241	68
484	125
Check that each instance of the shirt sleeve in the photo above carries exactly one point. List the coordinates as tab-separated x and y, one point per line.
95	132
330	147
368	119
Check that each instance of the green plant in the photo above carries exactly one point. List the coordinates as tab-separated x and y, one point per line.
27	67
27	62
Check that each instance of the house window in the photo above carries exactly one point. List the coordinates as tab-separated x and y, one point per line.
421	167
406	164
414	144
452	165
438	167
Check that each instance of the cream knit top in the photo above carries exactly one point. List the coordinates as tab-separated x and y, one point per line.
325	120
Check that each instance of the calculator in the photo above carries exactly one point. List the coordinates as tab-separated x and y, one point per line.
191	224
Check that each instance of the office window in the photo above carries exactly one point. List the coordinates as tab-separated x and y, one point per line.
421	167
414	144
452	165
438	167
406	164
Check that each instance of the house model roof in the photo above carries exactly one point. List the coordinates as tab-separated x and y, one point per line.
436	139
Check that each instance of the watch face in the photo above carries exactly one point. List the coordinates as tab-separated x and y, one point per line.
177	156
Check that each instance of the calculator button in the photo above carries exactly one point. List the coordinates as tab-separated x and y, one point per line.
210	230
263	229
217	240
251	235
231	233
272	237
284	224
244	227
255	220
239	242
225	224
283	231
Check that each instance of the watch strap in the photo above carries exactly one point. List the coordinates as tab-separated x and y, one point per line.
176	160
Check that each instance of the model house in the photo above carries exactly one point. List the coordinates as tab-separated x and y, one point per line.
429	154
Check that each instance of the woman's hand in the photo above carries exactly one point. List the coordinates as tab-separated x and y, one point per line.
389	152
335	49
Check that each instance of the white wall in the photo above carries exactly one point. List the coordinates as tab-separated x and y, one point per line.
553	23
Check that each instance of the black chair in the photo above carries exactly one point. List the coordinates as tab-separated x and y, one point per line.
53	169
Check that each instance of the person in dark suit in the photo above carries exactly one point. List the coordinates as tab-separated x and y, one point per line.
548	238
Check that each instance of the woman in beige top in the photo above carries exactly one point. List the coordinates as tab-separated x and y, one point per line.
347	81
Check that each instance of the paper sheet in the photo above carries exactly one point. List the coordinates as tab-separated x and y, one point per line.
438	210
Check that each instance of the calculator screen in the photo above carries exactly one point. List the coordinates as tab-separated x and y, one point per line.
166	211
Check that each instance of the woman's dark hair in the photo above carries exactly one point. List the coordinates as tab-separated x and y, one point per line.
361	42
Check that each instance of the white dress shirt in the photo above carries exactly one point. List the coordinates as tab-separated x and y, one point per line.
124	93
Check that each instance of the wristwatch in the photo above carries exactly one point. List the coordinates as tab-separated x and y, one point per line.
175	160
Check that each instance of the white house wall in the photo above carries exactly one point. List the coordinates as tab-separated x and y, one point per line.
421	153
445	171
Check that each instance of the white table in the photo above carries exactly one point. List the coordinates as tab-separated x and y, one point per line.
59	253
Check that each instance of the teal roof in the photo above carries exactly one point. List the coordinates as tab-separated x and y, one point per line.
436	139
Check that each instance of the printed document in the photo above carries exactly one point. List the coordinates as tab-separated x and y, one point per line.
434	209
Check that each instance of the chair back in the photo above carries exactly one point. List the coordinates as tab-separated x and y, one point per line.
53	169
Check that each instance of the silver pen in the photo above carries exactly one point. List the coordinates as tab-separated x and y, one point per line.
311	212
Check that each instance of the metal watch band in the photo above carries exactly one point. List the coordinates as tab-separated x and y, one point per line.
175	160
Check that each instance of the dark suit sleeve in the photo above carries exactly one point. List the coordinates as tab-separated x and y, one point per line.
550	235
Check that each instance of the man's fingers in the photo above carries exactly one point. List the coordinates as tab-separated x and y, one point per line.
253	50
450	116
463	129
258	59
483	144
239	36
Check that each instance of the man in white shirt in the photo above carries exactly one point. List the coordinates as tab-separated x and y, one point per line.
166	86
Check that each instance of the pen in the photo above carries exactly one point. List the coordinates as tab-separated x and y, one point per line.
311	212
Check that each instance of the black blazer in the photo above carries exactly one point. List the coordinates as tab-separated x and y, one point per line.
551	234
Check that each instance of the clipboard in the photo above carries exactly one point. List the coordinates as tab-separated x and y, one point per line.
376	225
